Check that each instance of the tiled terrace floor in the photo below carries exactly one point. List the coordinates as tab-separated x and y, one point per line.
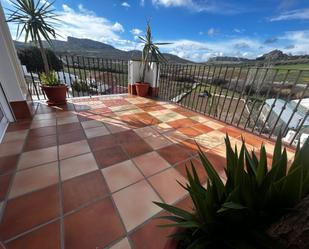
84	176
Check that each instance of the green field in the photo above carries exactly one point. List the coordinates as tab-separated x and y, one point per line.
295	66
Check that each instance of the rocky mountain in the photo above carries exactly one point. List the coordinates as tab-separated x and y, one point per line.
274	55
90	48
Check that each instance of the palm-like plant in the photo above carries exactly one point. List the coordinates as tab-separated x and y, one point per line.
151	52
34	18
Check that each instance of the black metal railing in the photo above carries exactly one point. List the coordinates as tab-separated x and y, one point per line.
261	100
84	76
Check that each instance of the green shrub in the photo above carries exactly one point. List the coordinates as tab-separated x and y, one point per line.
237	213
31	57
49	79
80	86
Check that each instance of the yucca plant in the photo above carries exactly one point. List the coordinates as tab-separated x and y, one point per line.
151	51
35	20
237	213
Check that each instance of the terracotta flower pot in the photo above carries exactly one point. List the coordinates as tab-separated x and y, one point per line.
56	94
132	89
142	89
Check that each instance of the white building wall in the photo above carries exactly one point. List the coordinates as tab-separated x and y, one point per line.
11	75
151	76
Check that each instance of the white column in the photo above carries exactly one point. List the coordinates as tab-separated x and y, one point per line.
11	75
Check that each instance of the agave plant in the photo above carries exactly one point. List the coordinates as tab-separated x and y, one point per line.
34	18
151	52
237	213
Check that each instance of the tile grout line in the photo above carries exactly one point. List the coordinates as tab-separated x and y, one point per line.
62	228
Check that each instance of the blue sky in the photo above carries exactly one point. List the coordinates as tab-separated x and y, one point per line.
197	29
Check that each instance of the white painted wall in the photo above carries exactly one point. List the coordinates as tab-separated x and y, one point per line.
11	75
151	76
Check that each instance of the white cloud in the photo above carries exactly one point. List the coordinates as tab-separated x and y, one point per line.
136	31
215	6
83	23
298	40
211	32
125	4
142	3
299	14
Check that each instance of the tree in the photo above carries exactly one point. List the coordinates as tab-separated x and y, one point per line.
32	59
34	19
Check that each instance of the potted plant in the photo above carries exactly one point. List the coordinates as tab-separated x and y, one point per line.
237	213
34	18
150	54
54	90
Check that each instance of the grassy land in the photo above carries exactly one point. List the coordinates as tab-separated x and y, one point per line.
296	66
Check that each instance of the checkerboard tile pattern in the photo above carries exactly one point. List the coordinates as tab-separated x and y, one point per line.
84	175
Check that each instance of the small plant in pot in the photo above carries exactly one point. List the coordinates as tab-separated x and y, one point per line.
54	90
150	54
238	213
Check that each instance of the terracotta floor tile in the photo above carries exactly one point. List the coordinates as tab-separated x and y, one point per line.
136	148
103	142
231	131
37	157
167	186
76	166
216	125
19	125
150	163
8	164
43	123
168	116
88	227
216	160
66	128
184	112
175	136
116	102
91	124
151	236
83	189
200	118
121	175
71	137
44	116
73	149
146	132
4	185
181	123
211	139
157	141
198	167
14	135
162	127
40	142
96	132
28	211
110	156
126	137
135	204
48	235
117	127
41	132
11	148
35	178
189	131
173	154
122	244
202	128
67	120
190	146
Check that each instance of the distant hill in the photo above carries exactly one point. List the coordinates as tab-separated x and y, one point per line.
275	57
227	59
90	48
